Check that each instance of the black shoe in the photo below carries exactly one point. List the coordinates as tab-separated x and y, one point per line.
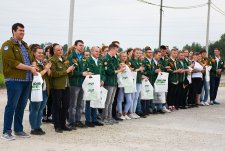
43	132
81	125
66	128
98	124
183	107
142	115
72	126
35	132
117	119
161	112
58	130
44	119
89	124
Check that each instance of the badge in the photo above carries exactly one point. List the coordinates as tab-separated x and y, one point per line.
6	48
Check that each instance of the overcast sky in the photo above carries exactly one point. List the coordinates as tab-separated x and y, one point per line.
133	23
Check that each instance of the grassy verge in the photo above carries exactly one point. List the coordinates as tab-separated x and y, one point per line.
2	83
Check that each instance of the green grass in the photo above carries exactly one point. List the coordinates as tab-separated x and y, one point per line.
2	82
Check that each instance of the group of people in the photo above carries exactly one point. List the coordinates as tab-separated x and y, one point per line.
63	75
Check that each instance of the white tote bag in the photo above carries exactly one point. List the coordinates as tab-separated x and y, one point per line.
161	83
147	90
125	78
36	91
131	88
101	102
91	87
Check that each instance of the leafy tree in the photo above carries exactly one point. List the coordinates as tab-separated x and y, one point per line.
194	46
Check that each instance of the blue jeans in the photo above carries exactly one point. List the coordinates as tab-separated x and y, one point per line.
139	106
90	113
205	91
120	100
36	112
17	95
135	98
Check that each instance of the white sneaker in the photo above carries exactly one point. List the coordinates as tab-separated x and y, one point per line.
135	115
202	103
132	116
127	117
206	103
165	110
122	117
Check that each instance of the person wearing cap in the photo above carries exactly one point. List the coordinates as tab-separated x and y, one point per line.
18	67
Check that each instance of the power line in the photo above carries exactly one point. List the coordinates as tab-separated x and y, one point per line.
174	7
216	8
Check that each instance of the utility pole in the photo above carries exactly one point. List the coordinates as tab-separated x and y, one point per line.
160	24
207	30
71	18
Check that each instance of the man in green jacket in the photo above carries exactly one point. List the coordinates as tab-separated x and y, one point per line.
111	68
95	66
217	64
18	66
77	59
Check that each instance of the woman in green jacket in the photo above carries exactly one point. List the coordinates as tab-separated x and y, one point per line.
60	87
36	108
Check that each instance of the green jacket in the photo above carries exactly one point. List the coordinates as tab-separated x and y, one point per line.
154	75
148	67
77	77
92	67
164	60
213	63
44	77
12	57
59	76
136	64
111	64
173	77
182	77
187	61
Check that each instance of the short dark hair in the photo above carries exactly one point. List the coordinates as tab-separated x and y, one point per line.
113	45
32	46
163	47
115	42
129	50
217	49
16	25
147	48
77	41
203	51
52	48
36	48
156	52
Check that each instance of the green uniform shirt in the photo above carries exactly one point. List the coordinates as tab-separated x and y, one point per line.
182	77
173	77
216	66
80	66
12	57
59	76
96	69
111	64
136	64
164	60
153	68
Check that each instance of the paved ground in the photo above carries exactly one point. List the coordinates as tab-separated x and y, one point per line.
197	129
